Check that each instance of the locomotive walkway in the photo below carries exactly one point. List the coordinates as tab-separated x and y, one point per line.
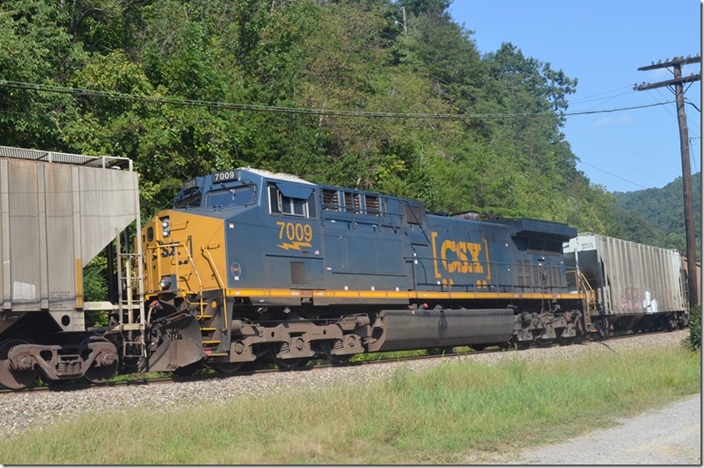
668	436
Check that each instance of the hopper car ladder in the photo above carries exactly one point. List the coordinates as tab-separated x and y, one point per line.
130	309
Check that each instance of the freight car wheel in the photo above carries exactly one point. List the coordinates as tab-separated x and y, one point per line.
13	379
100	372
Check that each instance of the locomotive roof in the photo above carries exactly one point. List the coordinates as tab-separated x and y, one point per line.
275	175
537	227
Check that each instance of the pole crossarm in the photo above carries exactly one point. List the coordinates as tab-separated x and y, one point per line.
686	79
673	62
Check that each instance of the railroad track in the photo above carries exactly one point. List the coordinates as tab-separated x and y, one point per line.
137	381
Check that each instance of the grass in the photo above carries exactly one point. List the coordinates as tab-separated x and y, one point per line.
456	413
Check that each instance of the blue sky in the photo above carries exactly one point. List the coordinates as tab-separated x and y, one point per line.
602	43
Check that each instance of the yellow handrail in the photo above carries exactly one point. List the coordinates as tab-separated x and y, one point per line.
206	254
177	245
583	284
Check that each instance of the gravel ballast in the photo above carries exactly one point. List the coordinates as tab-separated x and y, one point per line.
24	410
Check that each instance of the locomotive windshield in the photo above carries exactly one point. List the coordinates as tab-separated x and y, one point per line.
193	201
237	196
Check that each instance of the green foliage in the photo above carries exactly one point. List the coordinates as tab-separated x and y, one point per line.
694	341
656	216
329	55
36	48
95	289
94	285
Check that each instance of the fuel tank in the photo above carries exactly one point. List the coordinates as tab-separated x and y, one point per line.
430	328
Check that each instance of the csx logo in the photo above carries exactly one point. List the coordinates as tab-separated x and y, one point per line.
456	256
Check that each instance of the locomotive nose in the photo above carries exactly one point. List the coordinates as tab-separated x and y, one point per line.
183	252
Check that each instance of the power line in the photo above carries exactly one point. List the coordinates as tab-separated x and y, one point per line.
292	110
595	97
613	175
657	160
601	100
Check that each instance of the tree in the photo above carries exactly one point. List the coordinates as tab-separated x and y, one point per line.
36	48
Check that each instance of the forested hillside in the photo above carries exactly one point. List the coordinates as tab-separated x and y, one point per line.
656	216
195	59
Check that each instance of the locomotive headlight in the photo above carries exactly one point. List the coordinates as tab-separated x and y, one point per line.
165	227
165	282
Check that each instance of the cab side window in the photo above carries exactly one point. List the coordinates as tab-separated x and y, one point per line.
290	202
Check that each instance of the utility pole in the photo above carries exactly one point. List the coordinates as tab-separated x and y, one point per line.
403	9
677	63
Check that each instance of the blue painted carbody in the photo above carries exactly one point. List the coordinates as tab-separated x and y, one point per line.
284	232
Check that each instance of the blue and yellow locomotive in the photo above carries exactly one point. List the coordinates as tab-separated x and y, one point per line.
250	267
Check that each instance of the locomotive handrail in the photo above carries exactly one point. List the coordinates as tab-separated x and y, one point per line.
493	284
223	287
352	216
190	258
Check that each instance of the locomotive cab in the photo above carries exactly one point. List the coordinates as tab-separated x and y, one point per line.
184	246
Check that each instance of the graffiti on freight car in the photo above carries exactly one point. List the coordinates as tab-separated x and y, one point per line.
650	304
630	300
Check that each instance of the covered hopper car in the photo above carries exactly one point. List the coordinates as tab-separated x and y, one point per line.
636	286
250	267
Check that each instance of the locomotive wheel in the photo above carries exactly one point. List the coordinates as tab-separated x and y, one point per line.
286	364
230	367
100	374
339	360
334	359
13	379
543	343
